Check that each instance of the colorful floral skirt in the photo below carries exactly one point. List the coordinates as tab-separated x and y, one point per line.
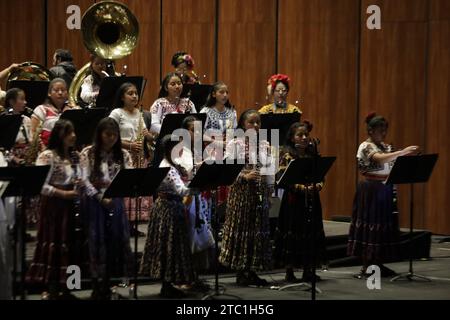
59	243
167	255
374	230
246	237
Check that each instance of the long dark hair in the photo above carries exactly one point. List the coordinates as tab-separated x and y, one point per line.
104	125
244	116
118	102
290	145
60	131
211	100
163	92
12	94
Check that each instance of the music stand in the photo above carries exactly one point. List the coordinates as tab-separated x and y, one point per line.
307	171
224	175
171	122
197	93
23	182
9	128
110	86
135	183
280	121
35	91
85	122
411	170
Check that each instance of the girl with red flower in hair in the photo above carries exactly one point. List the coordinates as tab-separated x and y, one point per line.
184	66
374	230
278	87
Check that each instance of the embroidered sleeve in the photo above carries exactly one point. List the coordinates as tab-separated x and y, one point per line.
86	171
128	161
176	183
191	107
88	92
364	156
156	111
44	159
39	113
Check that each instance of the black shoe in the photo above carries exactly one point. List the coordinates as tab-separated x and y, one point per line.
242	279
257	281
200	286
170	292
360	275
290	277
386	272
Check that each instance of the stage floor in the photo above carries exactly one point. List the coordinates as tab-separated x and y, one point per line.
336	284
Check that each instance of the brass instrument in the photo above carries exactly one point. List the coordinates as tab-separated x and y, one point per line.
140	140
110	31
35	147
29	71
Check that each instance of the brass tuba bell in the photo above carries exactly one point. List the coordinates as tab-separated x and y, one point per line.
110	31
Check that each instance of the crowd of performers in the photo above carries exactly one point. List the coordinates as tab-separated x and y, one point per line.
179	241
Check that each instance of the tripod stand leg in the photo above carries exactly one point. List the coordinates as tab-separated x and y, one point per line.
410	277
301	284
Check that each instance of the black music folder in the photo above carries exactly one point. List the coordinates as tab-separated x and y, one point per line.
110	86
85	122
280	121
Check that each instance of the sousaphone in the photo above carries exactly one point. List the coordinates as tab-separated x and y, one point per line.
110	31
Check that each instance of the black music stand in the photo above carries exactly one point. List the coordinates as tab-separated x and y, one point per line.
23	182
171	122
9	128
85	122
35	91
135	183
307	171
280	121
224	175
110	86
411	170
197	93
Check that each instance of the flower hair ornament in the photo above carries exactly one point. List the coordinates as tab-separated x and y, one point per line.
370	116
272	82
186	58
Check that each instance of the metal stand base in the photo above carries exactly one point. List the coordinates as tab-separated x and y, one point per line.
410	276
301	284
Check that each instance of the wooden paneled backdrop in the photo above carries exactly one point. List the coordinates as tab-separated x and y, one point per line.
340	70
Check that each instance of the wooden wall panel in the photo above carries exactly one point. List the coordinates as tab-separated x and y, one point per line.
145	59
21	32
190	28
246	49
59	36
318	50
437	119
393	72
